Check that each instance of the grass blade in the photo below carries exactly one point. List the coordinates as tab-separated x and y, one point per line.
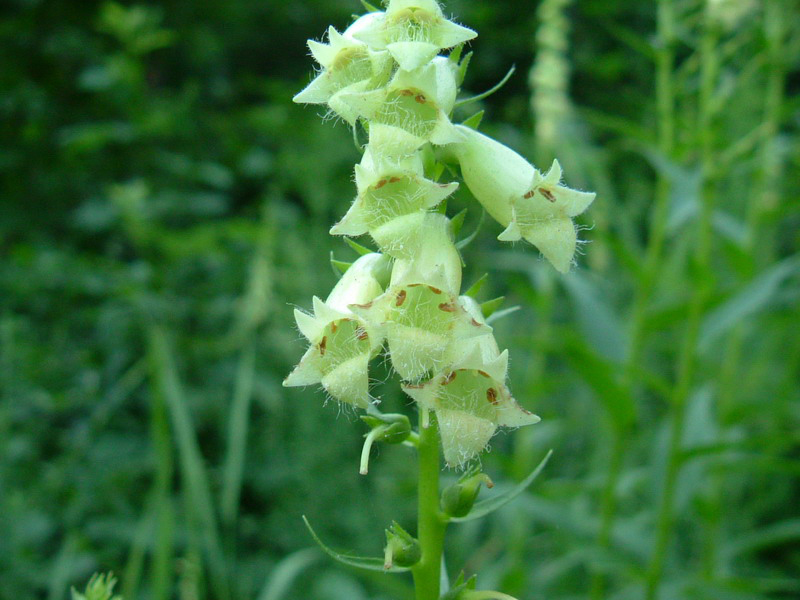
193	472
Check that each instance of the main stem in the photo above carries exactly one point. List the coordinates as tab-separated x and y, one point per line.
430	523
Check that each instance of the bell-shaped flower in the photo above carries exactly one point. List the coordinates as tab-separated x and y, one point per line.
413	31
346	64
423	247
417	102
470	397
342	344
386	193
530	205
424	327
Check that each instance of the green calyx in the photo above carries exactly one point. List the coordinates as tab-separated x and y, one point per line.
458	498
402	549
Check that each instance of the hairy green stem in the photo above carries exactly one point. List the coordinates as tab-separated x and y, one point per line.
430	523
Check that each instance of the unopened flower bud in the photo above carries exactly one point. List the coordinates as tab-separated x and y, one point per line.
388	428
458	498
402	550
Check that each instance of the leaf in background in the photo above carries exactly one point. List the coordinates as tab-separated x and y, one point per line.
603	377
684	185
598	322
484	507
754	297
284	574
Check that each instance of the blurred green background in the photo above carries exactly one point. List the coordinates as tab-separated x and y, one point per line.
164	205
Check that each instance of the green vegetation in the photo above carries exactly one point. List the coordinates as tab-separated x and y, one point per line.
165	205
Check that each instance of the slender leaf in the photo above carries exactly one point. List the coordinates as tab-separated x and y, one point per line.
362	250
754	297
489	92
360	562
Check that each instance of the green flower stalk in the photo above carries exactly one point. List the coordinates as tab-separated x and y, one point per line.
385	72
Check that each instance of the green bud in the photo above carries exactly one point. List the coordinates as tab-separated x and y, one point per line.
393	428
402	550
457	499
100	587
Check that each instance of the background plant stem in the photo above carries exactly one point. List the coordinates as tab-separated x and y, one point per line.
687	361
665	107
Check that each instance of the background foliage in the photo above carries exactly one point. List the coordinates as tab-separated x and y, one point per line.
164	204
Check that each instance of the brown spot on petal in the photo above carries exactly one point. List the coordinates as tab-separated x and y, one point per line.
420	99
361	333
547	194
447	307
380	184
484	373
406	93
491	395
323	342
435	290
474	322
401	297
450	376
415	386
414	285
394	179
529	194
367	305
334	327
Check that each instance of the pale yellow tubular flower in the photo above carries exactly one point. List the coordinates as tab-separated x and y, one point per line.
413	31
346	64
530	205
387	192
341	344
470	397
417	102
